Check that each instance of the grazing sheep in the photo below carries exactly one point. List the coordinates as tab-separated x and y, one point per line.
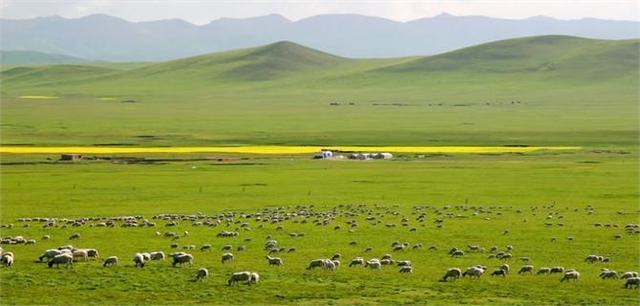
454	273
274	261
79	253
205	247
110	261
406	269
373	264
182	259
505	267
526	269
146	256
227	257
66	259
591	258
316	263
609	274
473	272
6	259
629	274
138	259
457	253
386	262
202	274
244	276
336	256
254	278
329	265
48	254
93	253
499	272
227	247
74	236
386	256
544	270
632	281
337	263
358	261
159	255
570	275
404	263
556	269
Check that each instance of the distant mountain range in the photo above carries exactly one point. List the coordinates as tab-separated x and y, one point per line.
107	38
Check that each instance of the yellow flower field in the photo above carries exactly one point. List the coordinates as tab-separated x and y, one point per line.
271	149
38	97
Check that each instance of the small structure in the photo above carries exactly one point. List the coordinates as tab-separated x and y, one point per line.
324	154
72	157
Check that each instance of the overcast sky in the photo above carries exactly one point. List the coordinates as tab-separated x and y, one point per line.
203	11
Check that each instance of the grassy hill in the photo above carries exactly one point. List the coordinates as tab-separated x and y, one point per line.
536	90
20	57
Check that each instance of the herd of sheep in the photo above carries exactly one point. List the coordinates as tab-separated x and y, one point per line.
66	255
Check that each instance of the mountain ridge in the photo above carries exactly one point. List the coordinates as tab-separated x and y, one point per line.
104	37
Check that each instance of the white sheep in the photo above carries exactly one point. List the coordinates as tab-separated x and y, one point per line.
544	270
93	253
556	269
454	273
473	272
50	253
274	261
138	259
226	257
328	264
64	258
526	269
316	263
244	276
499	272
146	256
182	259
358	261
254	278
202	274
80	253
110	261
373	264
406	269
505	267
632	281
572	274
158	255
609	274
6	259
404	263
629	274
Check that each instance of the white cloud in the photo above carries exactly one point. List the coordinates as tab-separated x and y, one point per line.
203	11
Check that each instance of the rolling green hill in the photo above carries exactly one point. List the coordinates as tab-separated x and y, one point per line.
537	90
583	58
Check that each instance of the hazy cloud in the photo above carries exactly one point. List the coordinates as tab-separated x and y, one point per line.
203	11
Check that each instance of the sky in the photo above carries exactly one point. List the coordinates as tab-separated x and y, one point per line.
204	11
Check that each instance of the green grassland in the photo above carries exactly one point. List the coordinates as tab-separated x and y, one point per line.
605	180
571	91
545	91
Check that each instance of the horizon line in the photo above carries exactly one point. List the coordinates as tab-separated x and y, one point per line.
440	15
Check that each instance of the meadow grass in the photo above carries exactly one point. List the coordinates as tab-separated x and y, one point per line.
572	180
